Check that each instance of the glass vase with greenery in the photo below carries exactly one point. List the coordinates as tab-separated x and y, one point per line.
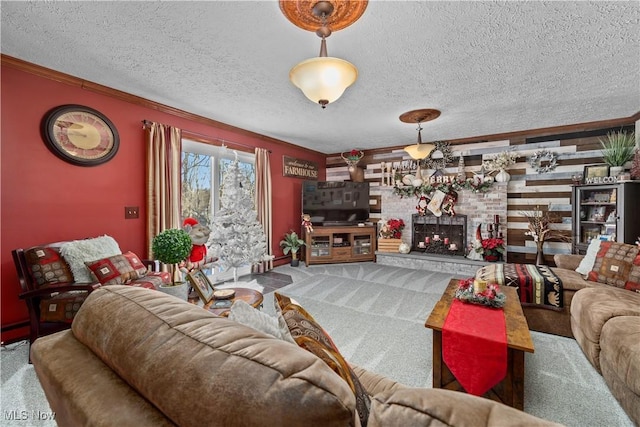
171	247
618	148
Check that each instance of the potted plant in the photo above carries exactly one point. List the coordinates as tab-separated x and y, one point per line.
292	243
171	247
617	149
491	249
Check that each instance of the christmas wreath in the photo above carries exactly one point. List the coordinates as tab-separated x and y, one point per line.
549	159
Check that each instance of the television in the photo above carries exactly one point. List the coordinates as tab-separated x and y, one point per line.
336	202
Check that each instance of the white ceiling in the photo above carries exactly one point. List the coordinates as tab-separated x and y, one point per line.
490	67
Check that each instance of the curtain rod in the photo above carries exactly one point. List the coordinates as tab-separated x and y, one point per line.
146	123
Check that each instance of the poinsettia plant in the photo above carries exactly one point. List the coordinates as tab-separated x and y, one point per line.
491	245
392	229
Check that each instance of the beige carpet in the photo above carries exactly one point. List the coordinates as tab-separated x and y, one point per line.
376	316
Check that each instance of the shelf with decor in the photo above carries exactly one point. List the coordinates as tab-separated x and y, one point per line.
336	244
607	212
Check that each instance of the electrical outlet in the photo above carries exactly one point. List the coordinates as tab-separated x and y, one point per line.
131	212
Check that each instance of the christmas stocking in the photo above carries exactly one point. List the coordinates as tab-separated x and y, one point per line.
449	203
436	202
422	205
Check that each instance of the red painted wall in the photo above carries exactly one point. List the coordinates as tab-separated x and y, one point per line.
45	199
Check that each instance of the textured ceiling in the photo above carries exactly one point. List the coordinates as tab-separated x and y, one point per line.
490	67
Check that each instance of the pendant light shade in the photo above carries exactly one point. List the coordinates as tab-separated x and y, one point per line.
419	151
323	79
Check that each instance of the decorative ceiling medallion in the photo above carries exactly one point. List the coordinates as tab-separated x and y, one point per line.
345	13
420	116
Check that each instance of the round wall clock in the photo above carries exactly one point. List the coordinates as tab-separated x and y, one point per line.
80	135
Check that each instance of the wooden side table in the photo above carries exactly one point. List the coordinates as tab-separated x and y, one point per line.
250	296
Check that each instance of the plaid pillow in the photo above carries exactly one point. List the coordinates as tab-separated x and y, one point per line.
617	264
118	269
47	267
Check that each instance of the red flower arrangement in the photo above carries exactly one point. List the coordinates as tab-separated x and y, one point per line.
392	229
491	248
396	226
493	244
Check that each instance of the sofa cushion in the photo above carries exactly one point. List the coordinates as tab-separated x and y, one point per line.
192	365
620	362
243	312
437	407
93	394
617	264
47	267
592	308
117	269
77	252
620	349
309	335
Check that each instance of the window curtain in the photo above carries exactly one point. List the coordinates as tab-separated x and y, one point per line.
263	200
163	179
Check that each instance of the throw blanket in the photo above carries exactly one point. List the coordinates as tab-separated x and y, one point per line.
536	285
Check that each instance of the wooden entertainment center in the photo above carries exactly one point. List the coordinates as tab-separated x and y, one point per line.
335	244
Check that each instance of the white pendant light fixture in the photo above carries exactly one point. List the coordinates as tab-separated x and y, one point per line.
323	79
419	151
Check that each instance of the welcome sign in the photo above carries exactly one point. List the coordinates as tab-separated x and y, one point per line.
298	168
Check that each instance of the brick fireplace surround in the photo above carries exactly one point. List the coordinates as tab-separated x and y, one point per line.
479	208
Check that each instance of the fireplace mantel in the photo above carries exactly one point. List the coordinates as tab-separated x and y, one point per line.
479	208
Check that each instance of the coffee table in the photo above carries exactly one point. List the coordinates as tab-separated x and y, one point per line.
250	296
510	390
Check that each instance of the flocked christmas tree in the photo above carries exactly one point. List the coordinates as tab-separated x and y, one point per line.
237	238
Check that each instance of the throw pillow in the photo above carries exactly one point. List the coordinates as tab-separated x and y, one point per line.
586	265
118	269
309	335
62	307
244	313
47	267
77	252
617	264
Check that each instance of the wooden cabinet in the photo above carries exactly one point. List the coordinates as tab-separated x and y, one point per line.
327	245
607	212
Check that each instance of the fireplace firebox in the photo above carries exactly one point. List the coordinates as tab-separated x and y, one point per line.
445	235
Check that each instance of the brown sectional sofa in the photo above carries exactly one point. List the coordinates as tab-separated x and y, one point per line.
605	321
135	357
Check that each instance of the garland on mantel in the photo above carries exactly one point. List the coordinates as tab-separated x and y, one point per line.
468	184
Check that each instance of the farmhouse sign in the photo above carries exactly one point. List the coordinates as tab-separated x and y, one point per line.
298	168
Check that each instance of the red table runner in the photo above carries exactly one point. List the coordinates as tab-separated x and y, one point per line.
474	346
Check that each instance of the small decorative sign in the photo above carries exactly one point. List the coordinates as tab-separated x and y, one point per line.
598	174
298	168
